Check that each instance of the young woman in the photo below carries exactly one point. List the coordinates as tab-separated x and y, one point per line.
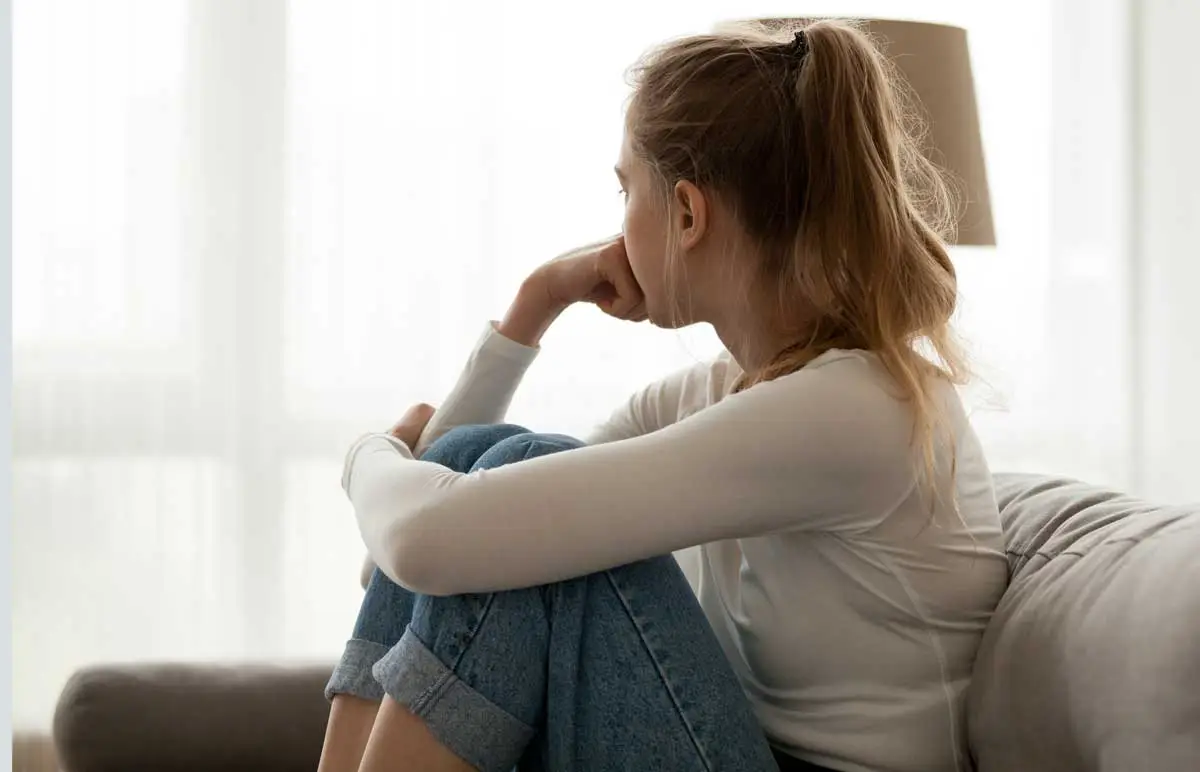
531	613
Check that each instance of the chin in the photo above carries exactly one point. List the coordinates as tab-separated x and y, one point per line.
667	321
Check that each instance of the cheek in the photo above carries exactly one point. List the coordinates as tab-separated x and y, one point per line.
643	243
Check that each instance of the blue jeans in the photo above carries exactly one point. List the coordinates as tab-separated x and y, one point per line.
611	671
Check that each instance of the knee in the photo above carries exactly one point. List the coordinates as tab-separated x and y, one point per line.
522	446
480	434
462	446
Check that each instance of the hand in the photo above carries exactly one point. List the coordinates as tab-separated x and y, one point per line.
408	429
597	273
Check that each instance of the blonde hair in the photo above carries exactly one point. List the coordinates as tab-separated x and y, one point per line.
810	141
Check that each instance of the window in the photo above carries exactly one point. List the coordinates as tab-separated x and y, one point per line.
246	232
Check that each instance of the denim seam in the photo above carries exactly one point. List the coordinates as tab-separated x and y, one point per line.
483	615
528	451
658	667
435	690
438	687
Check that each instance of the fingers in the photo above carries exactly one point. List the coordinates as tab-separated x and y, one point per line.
408	429
418	413
628	300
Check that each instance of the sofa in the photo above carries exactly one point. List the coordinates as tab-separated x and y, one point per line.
1091	662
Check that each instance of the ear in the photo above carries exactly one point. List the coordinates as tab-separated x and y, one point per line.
691	214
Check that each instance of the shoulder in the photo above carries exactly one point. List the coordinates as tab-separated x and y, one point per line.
841	387
669	400
692	388
840	381
829	446
844	402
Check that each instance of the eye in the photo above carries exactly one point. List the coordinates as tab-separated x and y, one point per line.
624	193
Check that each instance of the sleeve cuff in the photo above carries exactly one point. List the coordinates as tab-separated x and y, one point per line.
485	388
495	343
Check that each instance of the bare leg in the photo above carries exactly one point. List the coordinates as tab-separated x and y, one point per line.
400	741
346	735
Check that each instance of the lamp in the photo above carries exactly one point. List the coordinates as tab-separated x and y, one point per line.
934	60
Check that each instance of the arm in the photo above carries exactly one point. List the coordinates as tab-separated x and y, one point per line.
598	274
497	364
826	448
505	351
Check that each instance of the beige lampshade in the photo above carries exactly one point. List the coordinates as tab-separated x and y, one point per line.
934	59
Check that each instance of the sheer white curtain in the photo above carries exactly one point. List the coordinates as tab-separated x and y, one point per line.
246	232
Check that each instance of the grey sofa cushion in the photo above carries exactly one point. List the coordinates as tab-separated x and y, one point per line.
192	718
1092	660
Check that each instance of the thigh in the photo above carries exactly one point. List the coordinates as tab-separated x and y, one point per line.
637	680
634	677
385	611
611	671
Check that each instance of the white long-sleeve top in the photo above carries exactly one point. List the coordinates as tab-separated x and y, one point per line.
850	613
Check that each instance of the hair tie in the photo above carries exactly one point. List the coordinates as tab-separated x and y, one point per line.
800	44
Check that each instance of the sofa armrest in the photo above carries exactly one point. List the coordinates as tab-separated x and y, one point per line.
175	718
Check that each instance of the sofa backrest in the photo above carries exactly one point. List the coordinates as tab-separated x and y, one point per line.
1092	660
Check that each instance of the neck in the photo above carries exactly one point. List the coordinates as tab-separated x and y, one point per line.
752	340
746	313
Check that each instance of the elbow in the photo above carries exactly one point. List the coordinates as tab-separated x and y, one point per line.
416	561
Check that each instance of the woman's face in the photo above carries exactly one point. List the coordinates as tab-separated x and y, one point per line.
645	230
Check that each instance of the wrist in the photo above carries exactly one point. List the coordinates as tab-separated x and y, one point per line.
531	312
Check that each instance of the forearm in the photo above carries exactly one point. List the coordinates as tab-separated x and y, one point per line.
531	313
495	368
826	450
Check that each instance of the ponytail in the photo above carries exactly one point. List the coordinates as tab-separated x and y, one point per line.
808	134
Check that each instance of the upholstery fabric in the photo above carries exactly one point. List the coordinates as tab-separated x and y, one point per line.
1092	660
172	718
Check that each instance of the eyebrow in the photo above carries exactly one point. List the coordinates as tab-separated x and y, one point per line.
620	174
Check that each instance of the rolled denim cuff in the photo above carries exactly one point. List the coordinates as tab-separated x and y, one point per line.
353	672
477	730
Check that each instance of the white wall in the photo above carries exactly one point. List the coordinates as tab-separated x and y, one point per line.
1167	245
